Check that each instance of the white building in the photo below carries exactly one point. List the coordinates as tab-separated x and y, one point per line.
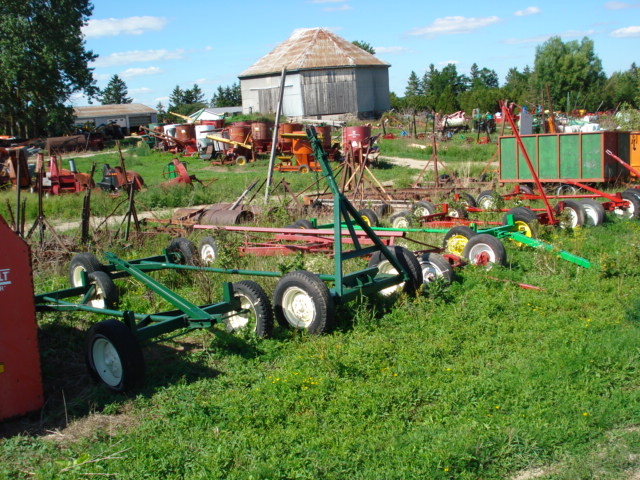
129	116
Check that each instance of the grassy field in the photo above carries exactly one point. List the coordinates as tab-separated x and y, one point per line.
478	379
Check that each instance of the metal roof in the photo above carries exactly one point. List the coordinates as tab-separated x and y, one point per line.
93	111
311	48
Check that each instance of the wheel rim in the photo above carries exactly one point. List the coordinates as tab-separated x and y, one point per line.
298	307
401	222
456	244
482	255
107	362
430	272
207	253
486	203
77	276
98	297
524	228
366	220
421	212
571	220
628	213
386	268
242	318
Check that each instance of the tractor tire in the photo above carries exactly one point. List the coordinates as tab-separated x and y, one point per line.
256	314
82	262
484	249
408	261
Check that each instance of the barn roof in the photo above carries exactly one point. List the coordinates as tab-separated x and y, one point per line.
311	48
110	110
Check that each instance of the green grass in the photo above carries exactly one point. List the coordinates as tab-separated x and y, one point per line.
479	379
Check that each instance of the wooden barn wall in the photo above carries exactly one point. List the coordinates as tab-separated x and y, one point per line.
326	92
260	95
372	85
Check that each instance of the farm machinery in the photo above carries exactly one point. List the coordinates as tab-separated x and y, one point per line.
301	299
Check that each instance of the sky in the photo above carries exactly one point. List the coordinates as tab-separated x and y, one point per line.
157	45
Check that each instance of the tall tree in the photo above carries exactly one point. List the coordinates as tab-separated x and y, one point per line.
115	93
43	61
572	72
364	46
229	96
623	87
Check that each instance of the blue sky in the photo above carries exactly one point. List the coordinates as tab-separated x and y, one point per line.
155	45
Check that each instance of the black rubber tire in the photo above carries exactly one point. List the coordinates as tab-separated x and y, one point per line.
185	248
106	293
527	189
575	212
401	220
423	208
485	244
594	212
258	318
369	217
525	220
454	240
383	210
80	262
208	250
408	261
466	199
124	370
633	191
303	224
634	208
458	212
486	200
434	266
313	298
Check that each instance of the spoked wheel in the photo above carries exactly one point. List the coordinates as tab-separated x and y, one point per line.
525	221
456	239
408	261
633	208
113	356
484	249
572	215
369	217
302	300
593	212
423	208
255	314
434	267
208	249
82	262
105	293
402	220
185	248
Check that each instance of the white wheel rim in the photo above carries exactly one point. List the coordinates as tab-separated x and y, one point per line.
571	218
240	319
107	362
421	212
476	251
386	268
430	272
207	253
298	307
76	275
628	213
98	298
487	203
401	222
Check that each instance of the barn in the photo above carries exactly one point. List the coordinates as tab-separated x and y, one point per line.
328	78
129	116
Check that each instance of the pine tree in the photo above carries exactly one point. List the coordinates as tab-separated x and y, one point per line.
115	93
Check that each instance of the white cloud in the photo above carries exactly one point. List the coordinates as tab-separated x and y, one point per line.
620	5
208	48
139	91
527	11
341	8
139	72
111	27
626	32
135	56
454	25
390	50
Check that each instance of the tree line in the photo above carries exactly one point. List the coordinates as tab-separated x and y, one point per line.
566	76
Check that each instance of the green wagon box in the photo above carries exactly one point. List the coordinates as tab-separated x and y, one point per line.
557	157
